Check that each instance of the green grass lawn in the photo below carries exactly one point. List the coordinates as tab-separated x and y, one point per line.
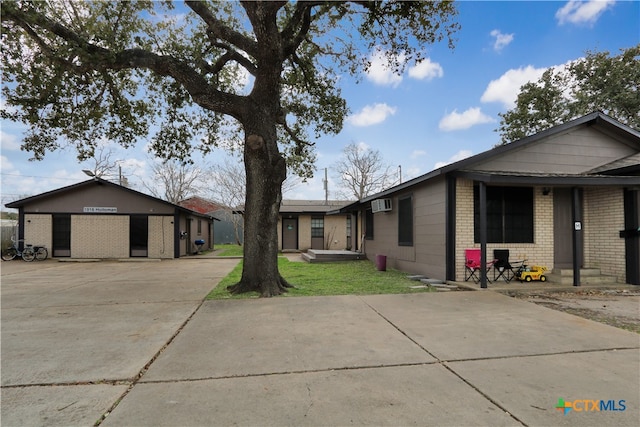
330	278
229	250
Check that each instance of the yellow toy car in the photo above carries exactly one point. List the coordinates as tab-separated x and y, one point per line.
529	273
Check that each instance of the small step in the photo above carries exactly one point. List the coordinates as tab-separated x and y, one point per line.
583	272
585	280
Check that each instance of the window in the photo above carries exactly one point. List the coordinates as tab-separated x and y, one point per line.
368	224
405	221
349	226
199	227
317	227
509	214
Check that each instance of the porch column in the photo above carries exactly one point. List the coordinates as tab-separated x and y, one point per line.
576	214
483	234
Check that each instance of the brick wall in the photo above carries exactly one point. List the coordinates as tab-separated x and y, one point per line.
99	236
603	219
38	231
539	253
161	236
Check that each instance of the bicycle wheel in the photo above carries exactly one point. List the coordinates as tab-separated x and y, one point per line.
42	253
28	254
9	254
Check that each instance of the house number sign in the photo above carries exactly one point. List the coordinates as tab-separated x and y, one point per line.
99	209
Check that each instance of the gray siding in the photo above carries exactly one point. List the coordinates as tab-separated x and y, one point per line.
427	255
575	151
74	201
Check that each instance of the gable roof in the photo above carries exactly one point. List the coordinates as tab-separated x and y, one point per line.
89	183
200	204
598	176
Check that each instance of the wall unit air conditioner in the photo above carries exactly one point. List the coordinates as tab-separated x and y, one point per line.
380	205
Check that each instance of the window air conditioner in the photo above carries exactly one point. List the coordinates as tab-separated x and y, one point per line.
380	205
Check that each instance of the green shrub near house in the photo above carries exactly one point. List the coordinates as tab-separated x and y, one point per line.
334	278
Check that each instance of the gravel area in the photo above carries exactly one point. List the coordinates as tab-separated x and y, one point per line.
619	308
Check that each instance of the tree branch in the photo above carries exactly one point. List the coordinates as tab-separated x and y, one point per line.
222	31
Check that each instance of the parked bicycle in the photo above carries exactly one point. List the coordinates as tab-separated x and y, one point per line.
29	253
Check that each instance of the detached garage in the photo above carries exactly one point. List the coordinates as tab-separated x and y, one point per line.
100	219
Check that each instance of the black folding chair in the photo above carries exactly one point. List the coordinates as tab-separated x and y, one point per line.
502	268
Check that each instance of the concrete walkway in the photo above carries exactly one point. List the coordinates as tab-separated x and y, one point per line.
87	346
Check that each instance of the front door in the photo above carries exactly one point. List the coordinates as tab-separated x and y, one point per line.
289	233
61	235
563	229
138	235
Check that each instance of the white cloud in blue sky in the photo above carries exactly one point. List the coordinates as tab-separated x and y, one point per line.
583	12
380	73
426	70
371	115
501	40
460	155
505	88
466	119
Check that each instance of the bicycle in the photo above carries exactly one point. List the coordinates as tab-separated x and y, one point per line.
29	253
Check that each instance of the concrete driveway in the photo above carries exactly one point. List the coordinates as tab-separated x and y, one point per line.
133	344
76	335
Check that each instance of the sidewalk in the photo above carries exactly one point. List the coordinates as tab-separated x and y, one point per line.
465	358
134	345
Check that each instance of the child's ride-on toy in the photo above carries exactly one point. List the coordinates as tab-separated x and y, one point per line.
528	273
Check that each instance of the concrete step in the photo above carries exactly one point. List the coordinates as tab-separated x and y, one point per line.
318	255
583	272
586	279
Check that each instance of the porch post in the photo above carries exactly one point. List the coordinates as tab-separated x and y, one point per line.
483	234
450	239
576	213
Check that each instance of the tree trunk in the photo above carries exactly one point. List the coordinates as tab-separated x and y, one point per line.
266	170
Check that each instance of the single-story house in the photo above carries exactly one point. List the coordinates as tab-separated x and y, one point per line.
304	224
228	228
567	197
101	219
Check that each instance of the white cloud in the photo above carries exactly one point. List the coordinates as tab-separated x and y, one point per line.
5	164
371	115
464	120
502	40
9	142
582	12
380	73
506	88
418	153
426	70
460	155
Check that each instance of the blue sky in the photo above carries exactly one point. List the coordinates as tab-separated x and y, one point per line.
441	111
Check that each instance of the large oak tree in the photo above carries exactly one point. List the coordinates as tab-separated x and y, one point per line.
76	72
597	82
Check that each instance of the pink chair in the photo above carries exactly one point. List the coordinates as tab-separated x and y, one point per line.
472	265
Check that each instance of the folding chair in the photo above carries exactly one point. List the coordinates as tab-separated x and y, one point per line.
502	268
472	265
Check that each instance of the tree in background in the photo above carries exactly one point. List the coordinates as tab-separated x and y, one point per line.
228	187
174	181
362	171
597	82
104	166
74	71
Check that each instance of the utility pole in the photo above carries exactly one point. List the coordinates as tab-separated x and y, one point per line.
400	173
326	187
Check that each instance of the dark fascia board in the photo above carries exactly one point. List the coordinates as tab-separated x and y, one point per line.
556	180
630	137
97	181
